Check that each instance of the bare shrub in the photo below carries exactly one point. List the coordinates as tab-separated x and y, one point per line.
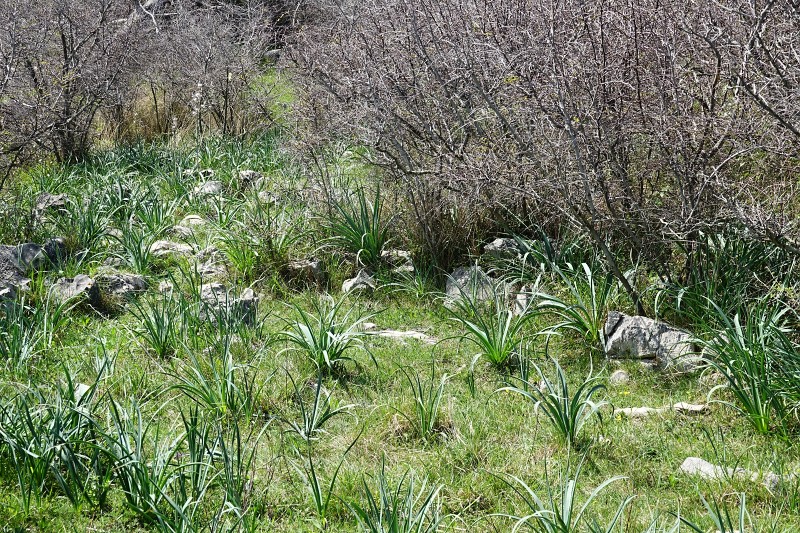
62	60
622	118
73	70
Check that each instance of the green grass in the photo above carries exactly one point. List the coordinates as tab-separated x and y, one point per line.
228	425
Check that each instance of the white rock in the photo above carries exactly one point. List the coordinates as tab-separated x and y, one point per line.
638	412
193	220
401	335
80	391
362	282
699	467
164	248
209	188
637	337
619	377
680	407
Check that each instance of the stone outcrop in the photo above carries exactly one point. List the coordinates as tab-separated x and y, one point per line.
638	337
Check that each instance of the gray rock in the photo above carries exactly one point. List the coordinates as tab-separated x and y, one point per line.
210	263
209	188
218	301
16	262
248	178
306	271
117	288
193	220
165	287
522	299
502	248
696	466
12	276
470	282
637	337
680	407
399	260
66	289
619	377
363	282
185	228
46	203
165	248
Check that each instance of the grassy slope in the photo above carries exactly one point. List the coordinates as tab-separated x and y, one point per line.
484	436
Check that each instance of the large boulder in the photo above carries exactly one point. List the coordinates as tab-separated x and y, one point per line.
16	262
469	282
638	337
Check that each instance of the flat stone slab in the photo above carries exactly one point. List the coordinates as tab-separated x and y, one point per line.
680	407
696	466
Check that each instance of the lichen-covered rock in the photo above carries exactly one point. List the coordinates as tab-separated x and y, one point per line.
469	282
115	289
502	248
399	260
638	337
166	248
219	302
306	271
16	262
48	203
66	289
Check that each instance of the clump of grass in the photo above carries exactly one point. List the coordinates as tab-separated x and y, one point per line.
162	320
561	511
48	437
319	491
218	383
721	517
28	328
315	414
752	354
567	410
360	229
403	508
494	329
327	334
427	396
585	310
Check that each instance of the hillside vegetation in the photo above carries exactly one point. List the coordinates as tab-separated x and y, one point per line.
399	267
